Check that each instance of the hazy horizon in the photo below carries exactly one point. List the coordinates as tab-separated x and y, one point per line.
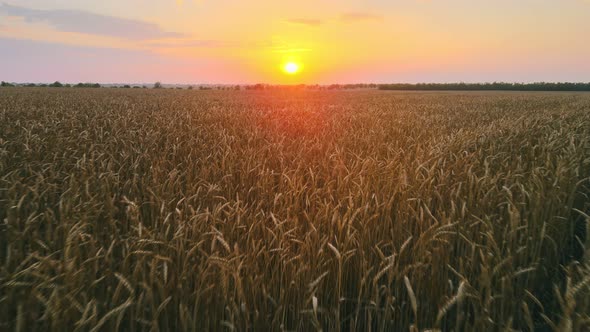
109	83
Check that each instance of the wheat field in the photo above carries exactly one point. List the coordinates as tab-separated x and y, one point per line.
182	210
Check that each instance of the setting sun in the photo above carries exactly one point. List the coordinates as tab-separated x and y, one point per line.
291	68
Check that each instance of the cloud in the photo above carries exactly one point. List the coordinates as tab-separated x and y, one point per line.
352	17
193	43
273	46
270	45
305	21
89	23
208	43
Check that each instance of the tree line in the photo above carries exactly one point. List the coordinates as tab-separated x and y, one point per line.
539	86
55	84
499	86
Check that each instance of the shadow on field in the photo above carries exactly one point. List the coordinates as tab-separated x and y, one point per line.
554	283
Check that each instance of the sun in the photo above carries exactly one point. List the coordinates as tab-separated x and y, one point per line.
291	68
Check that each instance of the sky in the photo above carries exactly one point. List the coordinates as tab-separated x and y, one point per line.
333	41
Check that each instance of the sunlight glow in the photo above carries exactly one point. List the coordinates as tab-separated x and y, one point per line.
291	68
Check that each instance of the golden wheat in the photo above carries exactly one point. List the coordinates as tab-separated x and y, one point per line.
300	210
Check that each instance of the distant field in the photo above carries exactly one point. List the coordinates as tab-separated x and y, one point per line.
301	210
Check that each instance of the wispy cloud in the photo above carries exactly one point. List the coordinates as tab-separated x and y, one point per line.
276	46
292	50
305	21
273	46
208	43
282	46
89	23
193	43
352	17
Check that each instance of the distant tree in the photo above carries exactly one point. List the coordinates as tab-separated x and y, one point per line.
237	87
126	86
157	85
87	85
144	87
6	84
30	85
539	86
190	87
56	84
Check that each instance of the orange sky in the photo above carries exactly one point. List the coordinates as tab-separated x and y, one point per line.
230	41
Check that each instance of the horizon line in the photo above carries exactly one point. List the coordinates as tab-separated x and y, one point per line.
304	84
